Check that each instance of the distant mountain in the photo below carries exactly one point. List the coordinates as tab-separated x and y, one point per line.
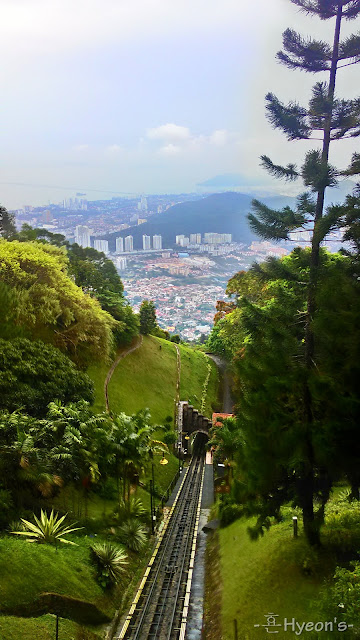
228	181
219	213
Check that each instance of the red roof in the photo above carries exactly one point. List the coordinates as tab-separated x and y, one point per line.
215	417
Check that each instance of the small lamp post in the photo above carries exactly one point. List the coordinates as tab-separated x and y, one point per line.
295	526
151	507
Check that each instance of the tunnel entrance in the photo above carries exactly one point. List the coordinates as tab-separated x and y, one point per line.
197	443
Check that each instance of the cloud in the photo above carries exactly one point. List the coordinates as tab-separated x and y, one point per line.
170	150
176	138
81	147
113	148
169	133
219	138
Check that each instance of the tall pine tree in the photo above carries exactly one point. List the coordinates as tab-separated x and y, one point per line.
331	118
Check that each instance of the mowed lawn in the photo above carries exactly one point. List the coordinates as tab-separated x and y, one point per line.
267	576
146	378
27	570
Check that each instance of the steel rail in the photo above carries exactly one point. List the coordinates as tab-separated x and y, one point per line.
161	593
184	496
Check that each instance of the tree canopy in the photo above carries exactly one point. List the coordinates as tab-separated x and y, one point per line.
331	118
147	317
50	305
96	275
33	373
7	223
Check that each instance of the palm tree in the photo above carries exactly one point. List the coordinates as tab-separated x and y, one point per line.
82	444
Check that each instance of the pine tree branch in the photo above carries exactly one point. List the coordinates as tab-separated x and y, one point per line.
324	9
354	167
271	224
292	119
304	53
329	222
316	174
289	172
341	66
353	9
350	48
306	204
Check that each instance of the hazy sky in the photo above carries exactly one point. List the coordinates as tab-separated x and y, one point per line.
145	96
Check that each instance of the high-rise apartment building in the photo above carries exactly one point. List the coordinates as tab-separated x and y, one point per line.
102	245
179	238
198	238
119	244
121	264
146	243
129	243
217	238
82	236
157	242
142	204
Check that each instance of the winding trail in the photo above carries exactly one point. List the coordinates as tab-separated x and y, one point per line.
122	355
228	401
178	373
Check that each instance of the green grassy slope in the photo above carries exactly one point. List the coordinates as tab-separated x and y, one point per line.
147	378
267	576
26	570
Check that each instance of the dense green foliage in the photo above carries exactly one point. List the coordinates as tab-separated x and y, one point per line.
33	373
147	317
297	343
7	223
48	304
265	444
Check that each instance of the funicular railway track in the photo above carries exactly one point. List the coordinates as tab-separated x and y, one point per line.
159	610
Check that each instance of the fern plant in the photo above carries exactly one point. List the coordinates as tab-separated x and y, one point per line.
110	562
48	529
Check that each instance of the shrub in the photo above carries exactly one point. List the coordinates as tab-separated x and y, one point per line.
341	598
342	520
110	562
169	437
229	512
49	529
133	534
132	508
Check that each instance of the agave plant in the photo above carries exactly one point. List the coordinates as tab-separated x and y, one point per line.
50	529
110	561
132	508
133	534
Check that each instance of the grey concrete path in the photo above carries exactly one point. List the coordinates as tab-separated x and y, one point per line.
207	499
228	401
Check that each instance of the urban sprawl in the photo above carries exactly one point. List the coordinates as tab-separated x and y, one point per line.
184	280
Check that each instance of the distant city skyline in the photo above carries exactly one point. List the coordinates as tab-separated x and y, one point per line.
146	96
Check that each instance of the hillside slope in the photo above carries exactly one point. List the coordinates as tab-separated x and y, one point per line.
147	378
219	213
